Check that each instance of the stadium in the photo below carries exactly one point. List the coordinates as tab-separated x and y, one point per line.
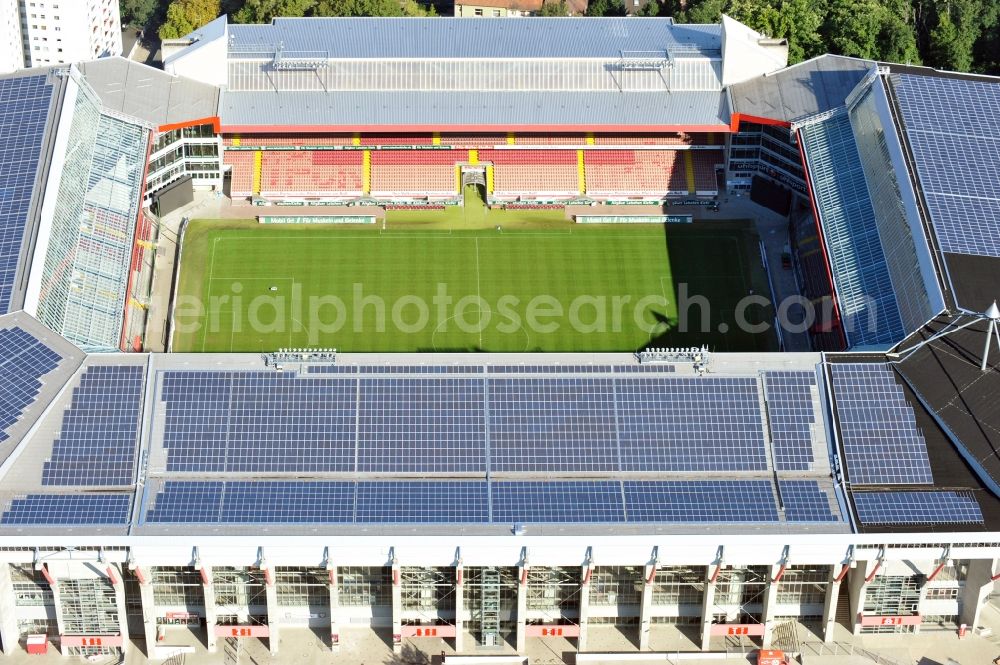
176	478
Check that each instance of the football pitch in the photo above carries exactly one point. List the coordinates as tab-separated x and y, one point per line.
539	283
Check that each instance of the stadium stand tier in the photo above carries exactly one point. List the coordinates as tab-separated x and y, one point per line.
496	500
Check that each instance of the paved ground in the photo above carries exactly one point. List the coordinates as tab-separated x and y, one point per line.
363	646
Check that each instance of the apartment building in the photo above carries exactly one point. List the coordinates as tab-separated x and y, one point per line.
53	32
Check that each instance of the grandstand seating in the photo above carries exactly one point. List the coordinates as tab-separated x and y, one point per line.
314	173
415	172
396	139
242	178
533	171
645	172
550	139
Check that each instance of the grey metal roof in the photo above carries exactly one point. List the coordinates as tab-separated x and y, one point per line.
801	90
149	94
439	37
472	109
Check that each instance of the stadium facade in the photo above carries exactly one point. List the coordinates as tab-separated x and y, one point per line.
494	499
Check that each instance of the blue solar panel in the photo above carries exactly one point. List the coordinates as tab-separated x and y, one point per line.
97	441
700	501
791	418
578	369
690	424
552	424
187	502
421	425
24	104
67	510
479	502
952	128
557	501
23	361
878	430
805	501
419	502
258	422
885	508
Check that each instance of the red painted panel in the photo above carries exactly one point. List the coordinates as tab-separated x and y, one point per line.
242	631
211	120
90	640
891	620
562	630
428	631
734	629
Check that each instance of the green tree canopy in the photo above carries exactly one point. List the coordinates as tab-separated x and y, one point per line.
138	12
262	11
184	16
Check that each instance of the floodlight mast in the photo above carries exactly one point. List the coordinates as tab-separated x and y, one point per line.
991	315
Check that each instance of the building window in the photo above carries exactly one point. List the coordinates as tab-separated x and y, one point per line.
479	12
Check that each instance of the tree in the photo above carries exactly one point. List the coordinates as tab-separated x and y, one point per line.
369	8
606	8
138	12
960	24
554	8
185	16
262	11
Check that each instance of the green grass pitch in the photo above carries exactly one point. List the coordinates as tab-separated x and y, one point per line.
432	281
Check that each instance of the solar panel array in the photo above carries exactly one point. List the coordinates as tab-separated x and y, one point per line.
24	105
690	424
478	502
552	424
805	501
791	417
421	426
935	507
97	442
23	361
229	421
259	422
952	128
882	443
67	510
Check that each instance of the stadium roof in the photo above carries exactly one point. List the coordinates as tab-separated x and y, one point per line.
810	87
473	111
149	94
445	37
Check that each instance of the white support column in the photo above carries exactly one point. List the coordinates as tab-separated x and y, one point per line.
521	643
770	599
707	604
114	573
334	608
585	573
211	615
8	612
857	588
397	609
271	594
646	608
459	607
57	604
144	575
978	585
830	604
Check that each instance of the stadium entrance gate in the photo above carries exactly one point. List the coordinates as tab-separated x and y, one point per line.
475	175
